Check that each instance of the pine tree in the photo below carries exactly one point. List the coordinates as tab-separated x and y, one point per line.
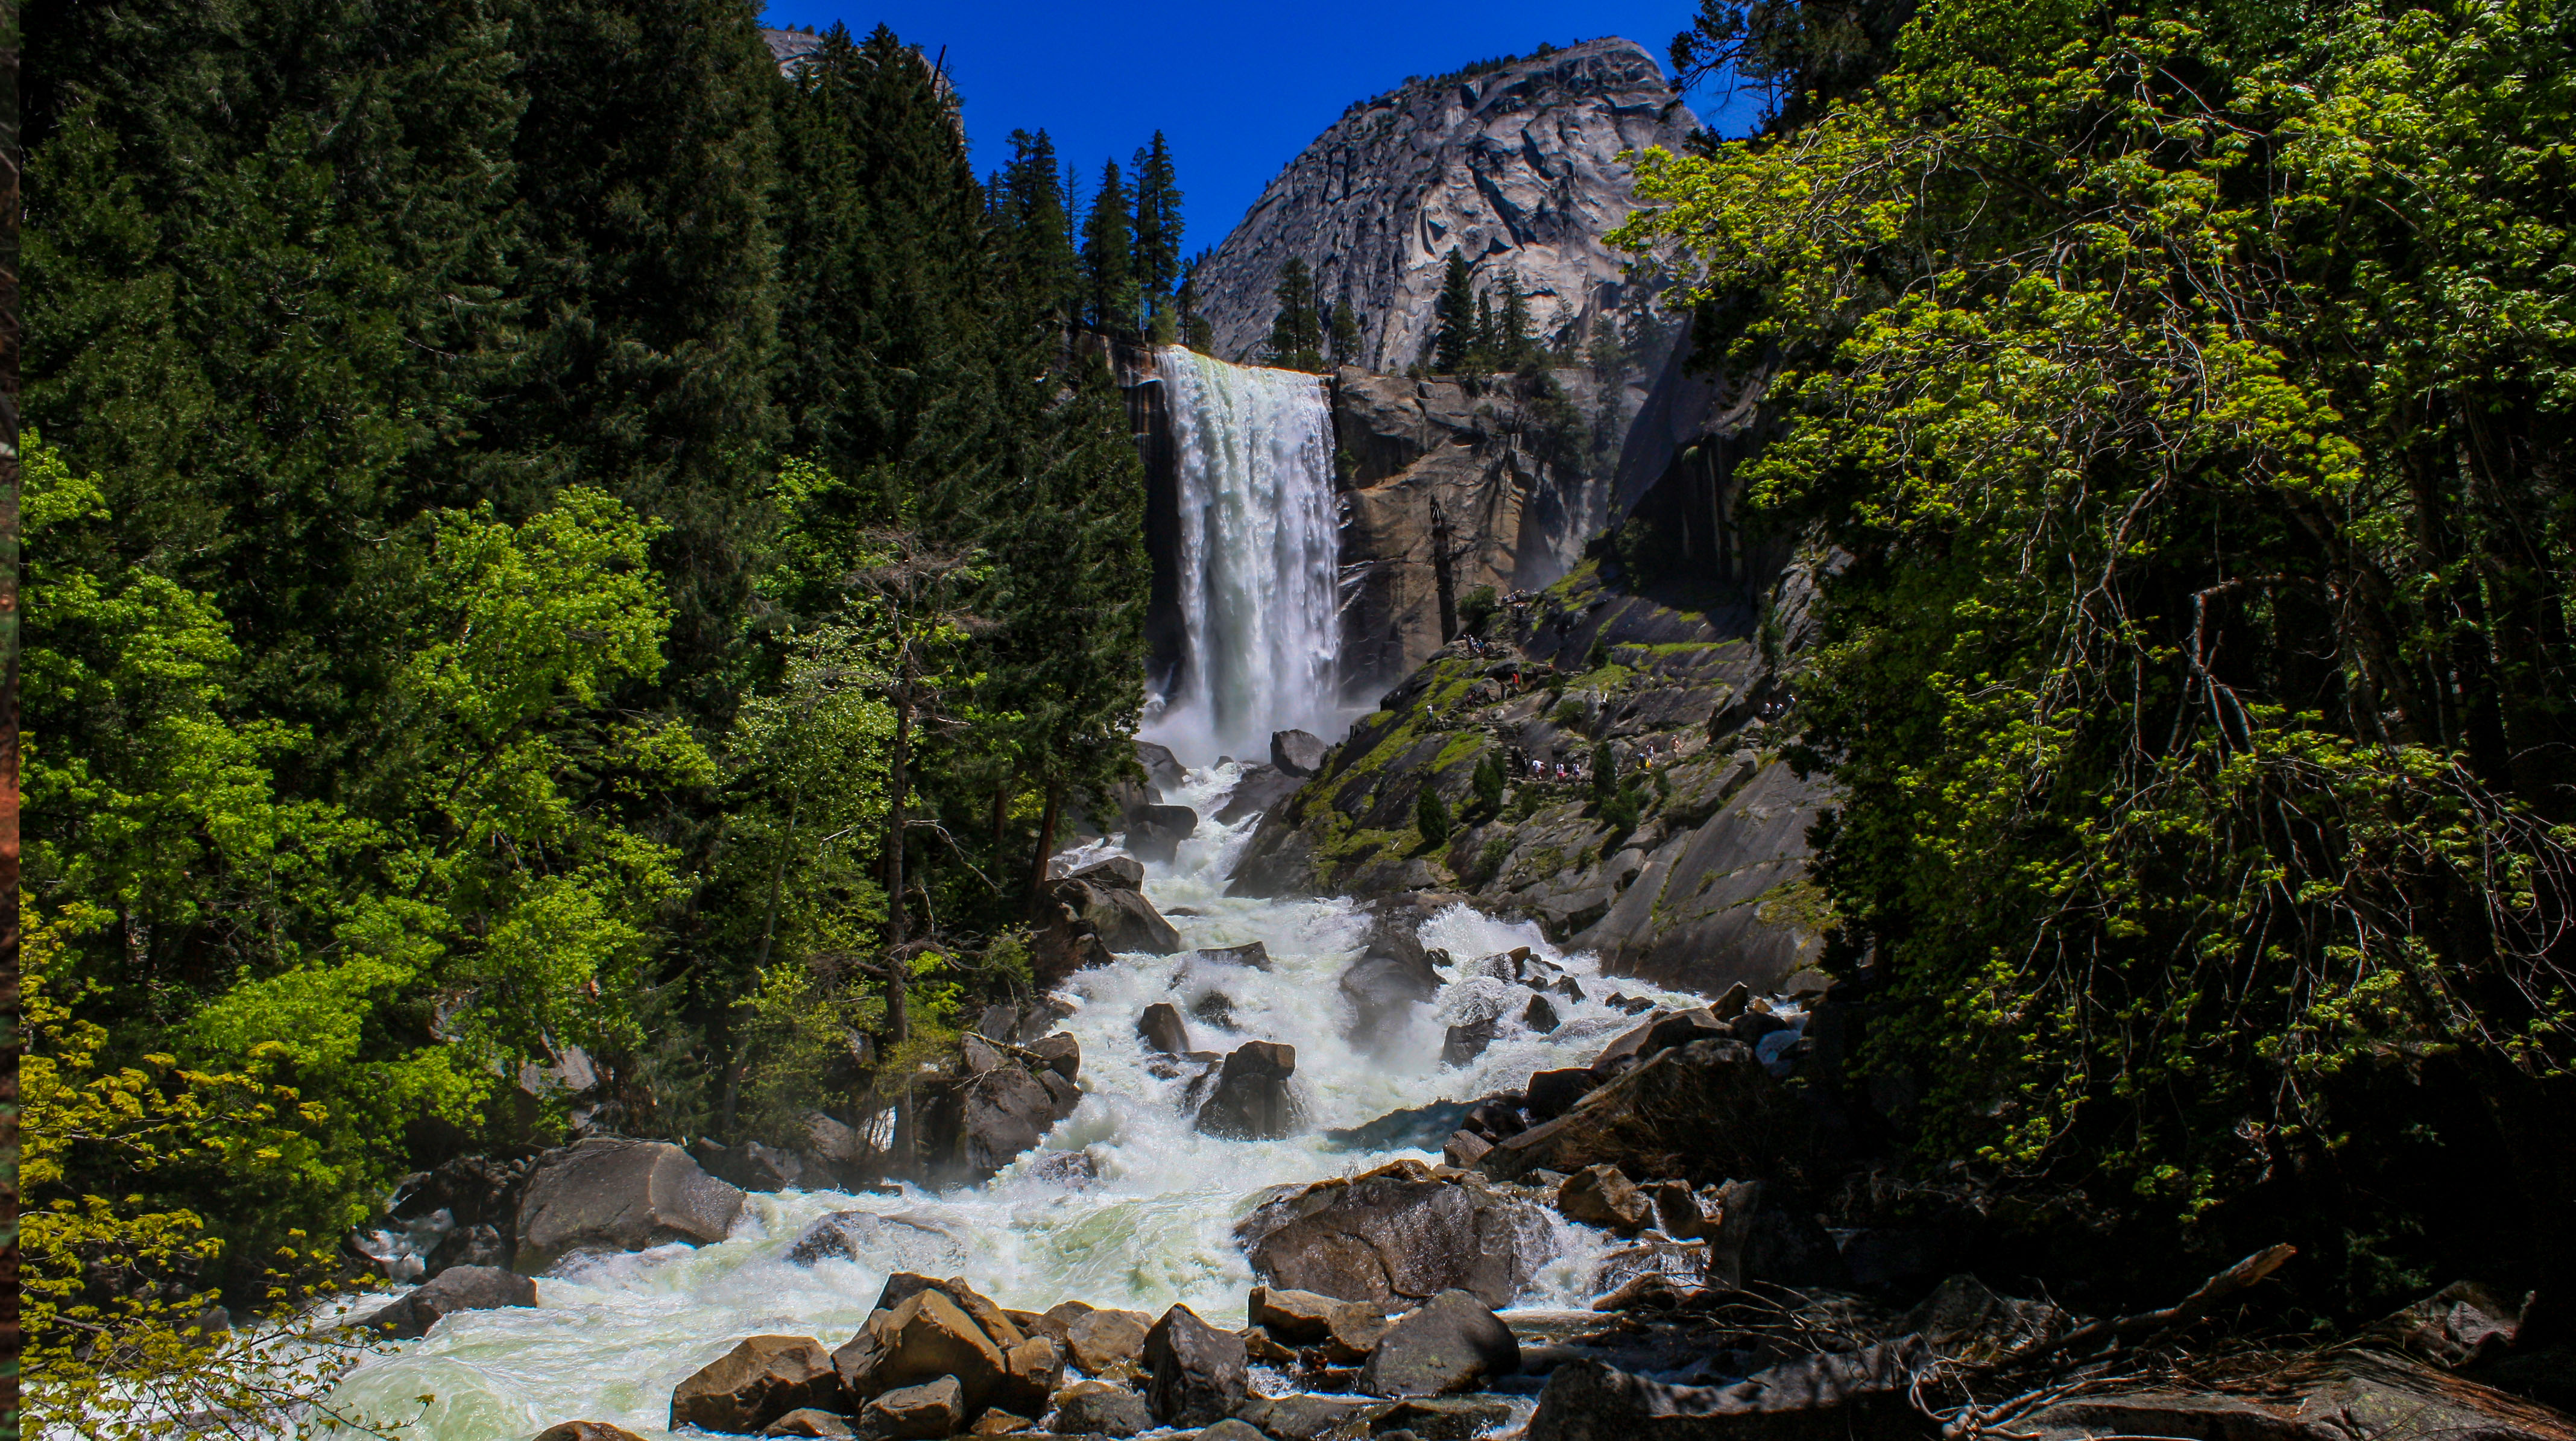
1456	310
1346	333
1481	355
1034	230
1197	332
1158	237
1296	337
1512	344
1108	255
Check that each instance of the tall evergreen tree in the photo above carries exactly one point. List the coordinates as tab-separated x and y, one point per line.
1034	230
1197	332
1456	309
1296	337
1158	238
1345	332
1108	255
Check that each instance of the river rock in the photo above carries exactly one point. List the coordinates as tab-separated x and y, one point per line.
1252	1101
586	1431
755	1383
1113	873
1466	1042
1231	1429
924	1336
1540	1016
1601	1196
1443	1418
1163	769
1299	753
1553	1093
1196	1373
750	1166
2333	1396
1346	1330
1092	916
1251	953
1060	1053
972	1126
611	1194
1106	1342
1163	1029
1096	1408
1452	1342
1155	833
458	1288
933	1409
1305	1418
1859	1394
1258	791
810	1421
1398	1235
1384	991
1709	1109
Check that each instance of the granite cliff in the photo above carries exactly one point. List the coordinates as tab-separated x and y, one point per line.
1517	167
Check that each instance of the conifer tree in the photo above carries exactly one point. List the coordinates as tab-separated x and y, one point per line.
1158	237
1512	344
1108	255
1296	336
1197	332
1346	333
1456	309
1035	230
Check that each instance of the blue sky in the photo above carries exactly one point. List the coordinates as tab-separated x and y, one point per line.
1237	88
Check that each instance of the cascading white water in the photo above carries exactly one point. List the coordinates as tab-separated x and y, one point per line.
1258	553
611	1337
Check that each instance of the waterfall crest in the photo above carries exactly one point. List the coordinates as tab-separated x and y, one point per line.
1258	552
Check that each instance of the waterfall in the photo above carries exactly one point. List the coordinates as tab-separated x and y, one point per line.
1258	553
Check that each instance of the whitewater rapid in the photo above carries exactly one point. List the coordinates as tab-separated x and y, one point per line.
1259	550
610	1337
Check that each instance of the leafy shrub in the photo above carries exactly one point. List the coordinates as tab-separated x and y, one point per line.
1431	816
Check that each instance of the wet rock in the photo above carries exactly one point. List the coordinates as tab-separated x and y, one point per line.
1216	1008
1708	1109
1108	1343
1553	1093
1297	752
1231	1429
1163	1029
1032	1370
1683	1263
1072	1170
1443	1418
1398	1235
1063	1096
976	1126
924	1336
1464	1149
1419	1128
1258	791
586	1431
1346	1330
1162	768
1305	1418
930	1410
2460	1325
1259	1346
1683	1027
809	1421
1539	1016
1465	1043
1118	873
1602	1196
750	1166
2331	1396
1252	1101
998	1422
1450	1343
1095	1408
755	1383
1682	1213
1250	953
1196	1373
458	1288
606	1194
1155	833
1855	1396
1384	989
1095	914
1648	1291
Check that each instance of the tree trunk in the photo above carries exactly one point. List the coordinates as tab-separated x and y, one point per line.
898	964
1046	847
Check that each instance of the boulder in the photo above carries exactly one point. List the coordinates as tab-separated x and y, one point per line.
1164	1030
1258	791
1251	953
1852	1396
974	1126
1252	1101
849	1235
1399	1235
1450	1343
750	1166
1346	1330
1384	991
1231	1429
458	1288
2329	1396
1464	1149
1095	1408
1115	873
754	1384
1443	1418
1108	1343
1031	1372
1125	921
1092	916
1195	1372
809	1421
611	1194
1539	1016
1155	833
1305	1418
1601	1196
586	1431
1465	1043
1553	1093
1707	1110
998	1422
1060	1053
925	1336
933	1409
1299	753
2460	1325
1163	770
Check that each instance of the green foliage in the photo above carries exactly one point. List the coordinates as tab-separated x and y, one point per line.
1476	610
1431	815
1296	337
1158	239
1455	338
1605	773
1109	255
1487	783
2255	326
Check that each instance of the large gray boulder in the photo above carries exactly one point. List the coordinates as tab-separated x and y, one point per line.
458	1288
1257	792
1096	1408
1710	1106
1252	1100
1397	1236
1452	1342
1155	833
1196	1374
1163	770
1298	753
612	1194
1094	915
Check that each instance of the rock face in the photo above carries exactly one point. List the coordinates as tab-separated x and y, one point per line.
754	1384
458	1288
606	1194
1196	1373
1859	1394
1515	167
1397	1236
1452	1342
1252	1100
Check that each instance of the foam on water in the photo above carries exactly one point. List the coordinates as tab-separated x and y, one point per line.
612	1336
